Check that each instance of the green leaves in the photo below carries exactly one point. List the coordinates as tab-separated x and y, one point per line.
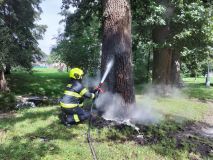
19	33
190	21
80	43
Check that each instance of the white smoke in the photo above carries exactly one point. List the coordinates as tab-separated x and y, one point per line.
143	112
95	81
92	81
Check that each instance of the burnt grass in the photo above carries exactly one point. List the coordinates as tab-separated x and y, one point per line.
166	137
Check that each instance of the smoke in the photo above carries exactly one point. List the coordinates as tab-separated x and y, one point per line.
163	90
95	81
113	108
144	112
90	82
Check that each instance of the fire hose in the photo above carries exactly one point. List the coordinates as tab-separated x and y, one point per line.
92	149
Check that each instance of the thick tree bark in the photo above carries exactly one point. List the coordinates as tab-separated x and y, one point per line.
162	57
3	82
117	44
166	61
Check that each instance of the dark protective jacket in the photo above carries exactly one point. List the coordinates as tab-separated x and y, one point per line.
74	95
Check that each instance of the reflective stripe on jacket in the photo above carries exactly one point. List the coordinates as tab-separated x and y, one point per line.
74	95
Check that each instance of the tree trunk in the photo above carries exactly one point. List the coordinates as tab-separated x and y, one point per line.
8	69
148	67
3	82
117	44
175	70
162	57
165	61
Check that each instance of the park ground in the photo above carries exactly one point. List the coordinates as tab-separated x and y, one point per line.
184	132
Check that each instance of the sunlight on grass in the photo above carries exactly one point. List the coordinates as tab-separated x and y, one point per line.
42	82
179	108
196	88
182	108
36	133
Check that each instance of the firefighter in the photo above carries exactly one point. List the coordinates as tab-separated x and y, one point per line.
72	101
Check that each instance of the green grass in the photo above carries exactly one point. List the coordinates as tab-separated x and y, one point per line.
193	88
182	108
50	82
45	82
36	133
24	140
196	88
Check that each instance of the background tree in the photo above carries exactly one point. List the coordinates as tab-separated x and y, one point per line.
80	44
18	34
162	58
184	33
186	23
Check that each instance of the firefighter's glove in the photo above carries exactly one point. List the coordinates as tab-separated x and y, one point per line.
95	94
98	90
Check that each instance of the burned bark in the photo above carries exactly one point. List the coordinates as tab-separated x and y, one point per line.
117	44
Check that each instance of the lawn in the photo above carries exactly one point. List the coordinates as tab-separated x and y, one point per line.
44	82
195	88
35	133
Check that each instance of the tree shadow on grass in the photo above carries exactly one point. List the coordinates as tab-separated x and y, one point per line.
55	130
38	143
169	138
52	84
27	115
52	132
22	149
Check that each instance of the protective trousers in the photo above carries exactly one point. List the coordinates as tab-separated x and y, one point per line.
73	115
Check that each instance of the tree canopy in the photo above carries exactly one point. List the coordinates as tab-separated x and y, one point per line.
18	35
190	36
19	32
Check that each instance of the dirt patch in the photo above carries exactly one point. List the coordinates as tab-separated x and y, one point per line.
198	137
206	128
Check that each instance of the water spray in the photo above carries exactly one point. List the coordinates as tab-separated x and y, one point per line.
98	90
108	68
